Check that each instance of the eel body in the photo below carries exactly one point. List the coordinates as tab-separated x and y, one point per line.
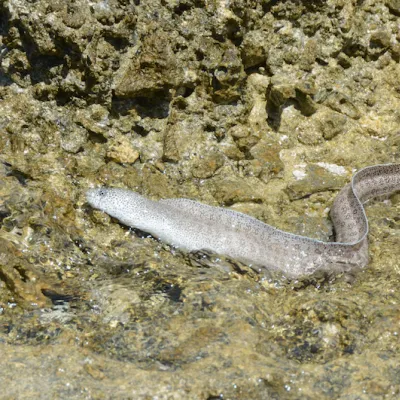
192	226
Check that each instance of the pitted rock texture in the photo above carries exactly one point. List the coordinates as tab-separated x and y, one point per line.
266	107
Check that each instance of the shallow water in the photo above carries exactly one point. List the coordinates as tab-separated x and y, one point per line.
134	318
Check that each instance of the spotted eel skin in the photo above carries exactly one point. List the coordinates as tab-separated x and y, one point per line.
190	225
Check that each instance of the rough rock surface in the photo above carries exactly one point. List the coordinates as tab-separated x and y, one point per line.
264	106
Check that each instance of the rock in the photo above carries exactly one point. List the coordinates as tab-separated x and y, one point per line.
228	77
310	52
394	6
281	92
149	68
73	138
95	119
325	124
331	123
230	149
256	92
379	43
121	150
268	154
205	166
339	102
221	100
313	179
344	60
254	49
239	132
232	190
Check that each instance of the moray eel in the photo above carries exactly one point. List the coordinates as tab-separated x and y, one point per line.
191	226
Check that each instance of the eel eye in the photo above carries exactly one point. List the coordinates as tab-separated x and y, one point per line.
102	192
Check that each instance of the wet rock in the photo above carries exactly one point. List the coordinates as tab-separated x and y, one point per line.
228	77
394	6
232	151
73	138
323	329
378	44
24	284
170	149
120	150
256	92
310	53
205	166
157	183
153	68
314	179
268	154
281	92
192	347
253	49
243	137
344	60
228	191
114	174
95	119
284	93
338	102
331	124
325	124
